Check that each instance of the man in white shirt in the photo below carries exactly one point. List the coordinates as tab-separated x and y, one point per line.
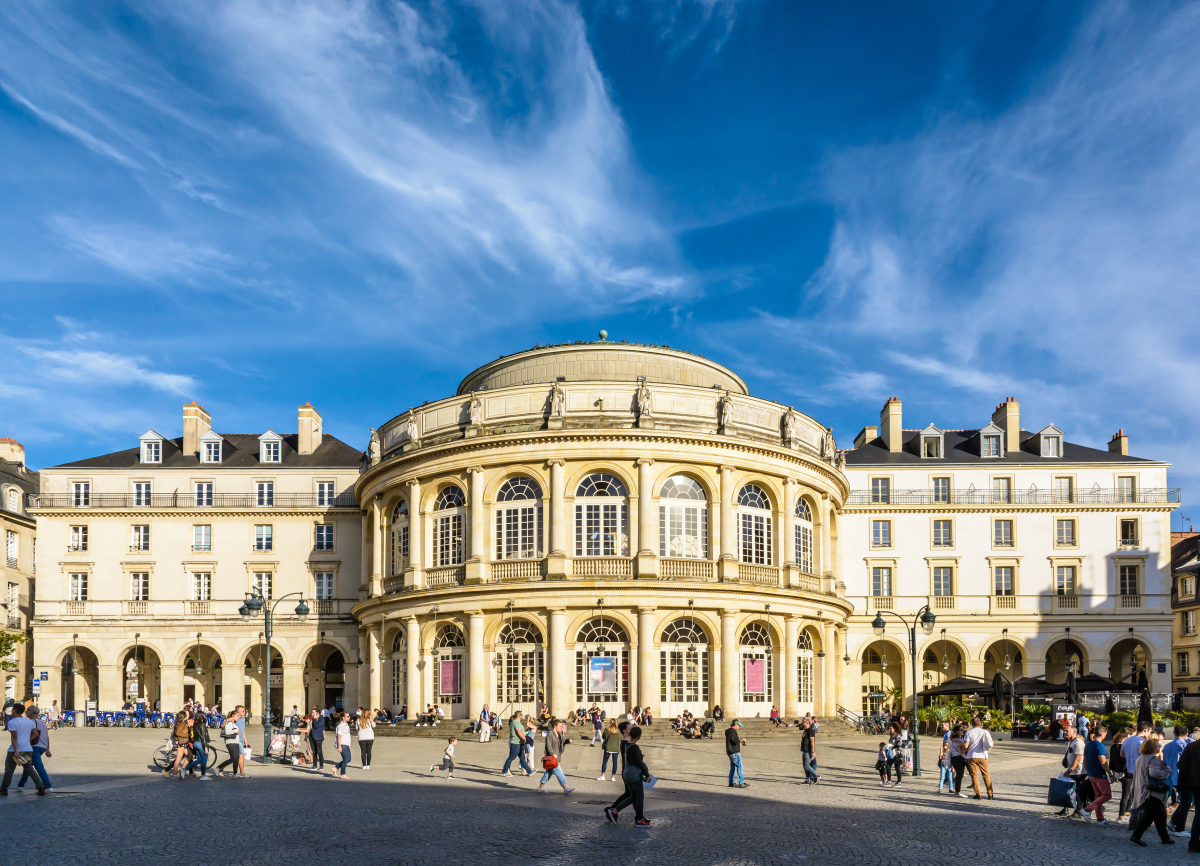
979	741
20	728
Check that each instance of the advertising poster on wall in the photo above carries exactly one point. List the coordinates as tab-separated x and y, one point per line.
602	675
755	679
448	677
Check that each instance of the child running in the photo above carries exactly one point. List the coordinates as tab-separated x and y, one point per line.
447	759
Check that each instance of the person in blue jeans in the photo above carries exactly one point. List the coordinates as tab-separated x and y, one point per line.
516	745
200	744
944	777
42	748
733	748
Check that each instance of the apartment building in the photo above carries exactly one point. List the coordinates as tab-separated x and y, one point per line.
19	533
1185	608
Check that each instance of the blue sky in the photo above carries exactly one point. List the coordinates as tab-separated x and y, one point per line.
256	204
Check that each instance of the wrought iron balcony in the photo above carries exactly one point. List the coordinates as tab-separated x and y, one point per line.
984	496
192	501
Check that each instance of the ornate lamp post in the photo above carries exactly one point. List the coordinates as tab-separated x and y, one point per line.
253	604
926	618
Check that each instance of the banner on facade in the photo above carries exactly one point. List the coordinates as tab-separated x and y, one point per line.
602	675
755	677
448	677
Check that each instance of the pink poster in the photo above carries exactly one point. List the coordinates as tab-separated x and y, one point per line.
448	677
754	677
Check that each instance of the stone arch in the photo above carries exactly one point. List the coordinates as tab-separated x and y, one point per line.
813	499
815	635
770	486
934	642
710	637
450	618
1060	650
431	491
712	488
576	620
1119	652
64	650
611	625
1017	654
495	625
775	627
893	644
249	648
189	649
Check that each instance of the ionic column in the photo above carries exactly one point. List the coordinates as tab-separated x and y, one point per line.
416	543
477	689
478	554
364	586
791	668
111	681
560	674
412	659
649	690
374	640
556	559
647	542
731	686
293	692
376	548
728	523
172	690
828	666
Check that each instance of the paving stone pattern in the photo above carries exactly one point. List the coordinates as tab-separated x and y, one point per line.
398	813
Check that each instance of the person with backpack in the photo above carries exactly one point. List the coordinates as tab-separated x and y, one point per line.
231	737
199	743
182	735
556	743
634	775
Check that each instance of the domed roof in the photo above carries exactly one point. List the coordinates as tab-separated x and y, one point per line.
602	362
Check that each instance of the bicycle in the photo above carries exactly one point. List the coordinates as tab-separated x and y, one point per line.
164	755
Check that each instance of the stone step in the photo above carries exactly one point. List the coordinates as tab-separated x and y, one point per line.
751	728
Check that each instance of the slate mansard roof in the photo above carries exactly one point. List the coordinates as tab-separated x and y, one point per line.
19	476
239	451
962	446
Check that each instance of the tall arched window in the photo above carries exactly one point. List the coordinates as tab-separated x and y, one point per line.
754	526
602	519
399	671
683	667
602	664
520	680
519	519
804	660
758	665
804	537
448	526
683	519
399	537
447	665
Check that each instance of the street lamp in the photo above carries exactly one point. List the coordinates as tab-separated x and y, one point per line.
600	646
255	601
926	618
1007	660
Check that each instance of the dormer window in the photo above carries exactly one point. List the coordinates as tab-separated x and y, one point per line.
270	452
151	447
269	447
931	443
991	446
1051	442
991	441
211	450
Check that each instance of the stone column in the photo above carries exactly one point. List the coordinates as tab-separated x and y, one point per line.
376	548
416	541
374	665
477	690
172	689
412	672
791	668
364	587
714	678
729	538
352	695
556	559
731	685
787	553
647	541
293	692
828	667
842	669
477	561
561	697
111	682
649	677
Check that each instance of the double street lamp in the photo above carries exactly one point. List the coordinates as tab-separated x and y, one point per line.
926	619
253	604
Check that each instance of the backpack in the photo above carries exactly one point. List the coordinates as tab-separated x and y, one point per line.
181	729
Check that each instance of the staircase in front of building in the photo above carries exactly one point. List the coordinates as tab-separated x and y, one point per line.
752	728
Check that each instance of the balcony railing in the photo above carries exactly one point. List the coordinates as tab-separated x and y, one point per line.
882	602
1004	602
1130	542
1066	602
454	575
14	620
137	608
199	608
191	501
602	566
393	584
1128	601
76	608
686	569
324	607
972	496
12	561
763	575
943	602
808	582
516	569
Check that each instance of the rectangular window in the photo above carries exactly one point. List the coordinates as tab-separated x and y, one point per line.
755	538
941	534
881	533
1182	661
141	494
270	452
519	532
1189	622
601	530
1064	533
141	538
941	490
201	586
79	586
1125	489
399	548
1129	533
263	537
324	584
1185	586
151	452
943	581
1003	584
1127	580
14	605
204	494
683	531
324	536
804	548
448	539
82	494
931	446
202	537
139	586
212	452
880	490
881	582
1051	446
12	550
266	493
79	539
325	494
1062	490
262	583
1003	533
1064	580
1001	490
991	446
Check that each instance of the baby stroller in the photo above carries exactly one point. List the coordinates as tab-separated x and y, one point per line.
297	749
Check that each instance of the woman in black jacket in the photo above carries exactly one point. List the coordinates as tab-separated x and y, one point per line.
635	773
199	745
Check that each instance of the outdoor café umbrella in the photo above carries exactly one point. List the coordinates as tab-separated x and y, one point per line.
1026	686
1090	683
998	689
1072	693
956	686
1142	683
1144	713
1109	706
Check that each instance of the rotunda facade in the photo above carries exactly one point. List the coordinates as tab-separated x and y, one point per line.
602	523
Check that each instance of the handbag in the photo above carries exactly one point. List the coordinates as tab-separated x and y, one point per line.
1157	786
550	762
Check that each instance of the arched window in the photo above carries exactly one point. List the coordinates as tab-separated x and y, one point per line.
602	521
519	632
804	663
447	666
755	634
754	526
399	537
450	635
804	641
519	519
448	526
684	631
804	537
597	631
520	678
683	666
399	643
683	519
399	670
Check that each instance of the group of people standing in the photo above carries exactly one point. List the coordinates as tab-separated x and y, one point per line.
964	749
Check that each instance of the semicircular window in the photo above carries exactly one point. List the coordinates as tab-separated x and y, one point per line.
682	487
601	484
519	488
601	631
520	631
753	496
684	631
450	497
450	635
755	634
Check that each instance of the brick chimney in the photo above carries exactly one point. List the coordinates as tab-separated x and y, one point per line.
1119	444
890	427
12	451
867	434
1008	418
196	422
310	429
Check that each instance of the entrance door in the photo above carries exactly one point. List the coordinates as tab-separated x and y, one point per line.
522	681
448	671
189	692
757	675
684	675
611	693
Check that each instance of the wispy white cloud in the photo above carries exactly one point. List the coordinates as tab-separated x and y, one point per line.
138	251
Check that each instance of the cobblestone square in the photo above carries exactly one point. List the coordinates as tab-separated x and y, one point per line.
399	813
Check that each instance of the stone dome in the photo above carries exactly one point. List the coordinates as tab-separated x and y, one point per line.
602	362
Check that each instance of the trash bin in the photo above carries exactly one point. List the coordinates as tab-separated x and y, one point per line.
80	719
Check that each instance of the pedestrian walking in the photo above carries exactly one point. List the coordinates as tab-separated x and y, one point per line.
22	731
447	759
1073	766
1100	774
342	744
1171	754
944	773
883	764
597	726
199	740
733	749
808	754
896	752
634	775
979	743
1116	761
612	748
316	736
40	740
230	736
1150	785
516	745
958	758
243	743
53	715
366	737
483	725
182	735
1189	786
556	743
